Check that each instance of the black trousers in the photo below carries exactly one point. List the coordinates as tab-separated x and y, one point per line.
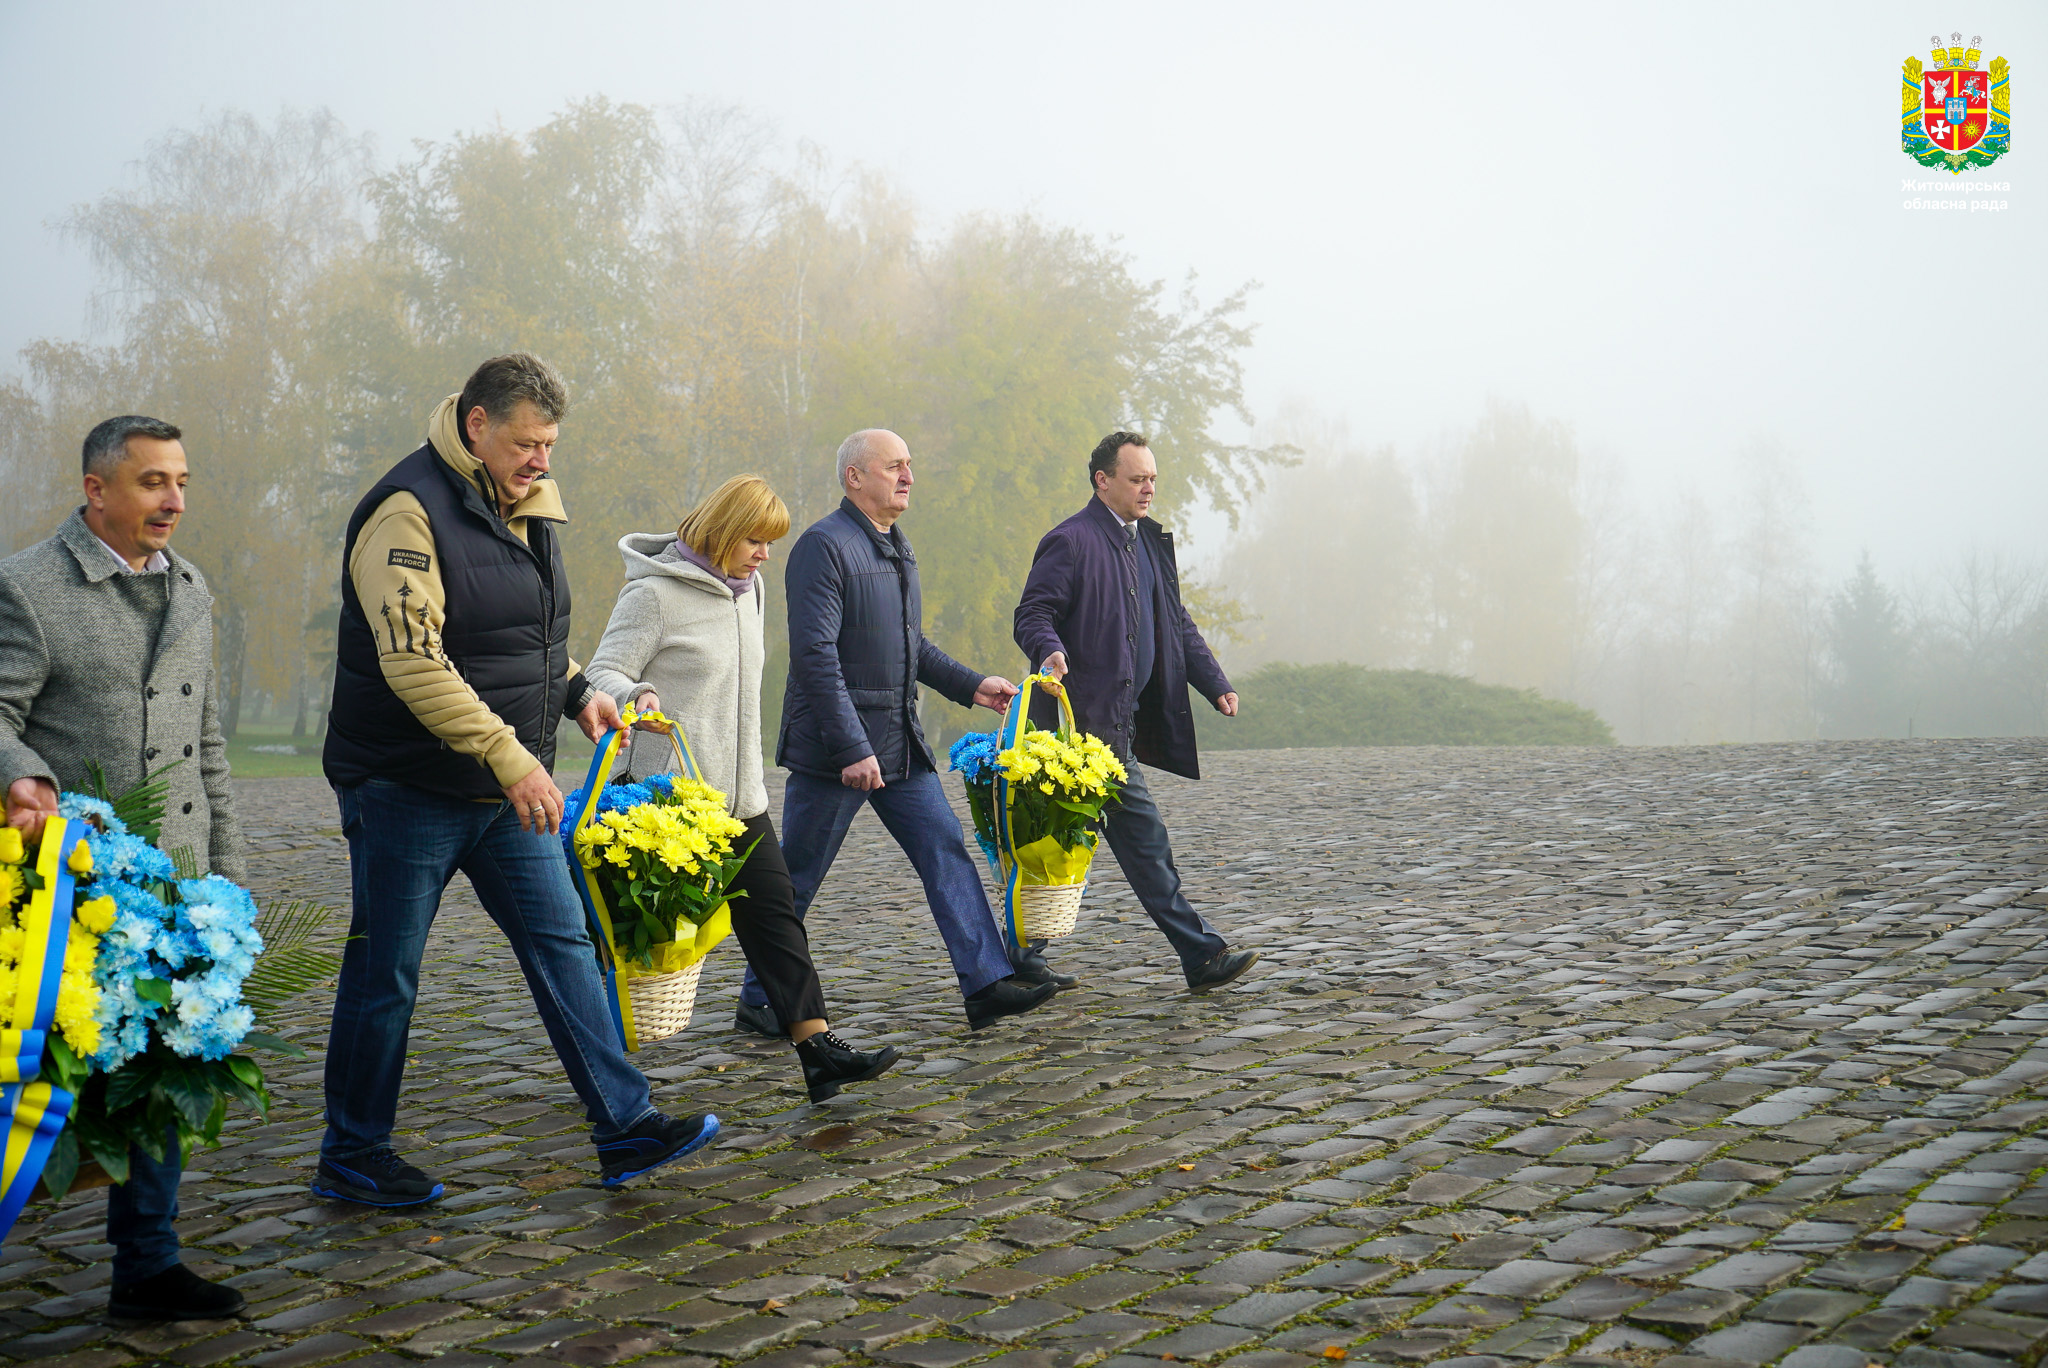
770	931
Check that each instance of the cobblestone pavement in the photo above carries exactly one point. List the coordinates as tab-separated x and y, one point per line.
1704	1056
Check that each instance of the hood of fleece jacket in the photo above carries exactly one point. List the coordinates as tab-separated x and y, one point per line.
641	551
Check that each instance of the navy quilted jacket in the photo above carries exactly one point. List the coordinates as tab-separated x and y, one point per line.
857	651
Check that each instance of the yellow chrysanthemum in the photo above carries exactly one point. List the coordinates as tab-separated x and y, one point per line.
80	948
95	915
10	946
12	885
77	999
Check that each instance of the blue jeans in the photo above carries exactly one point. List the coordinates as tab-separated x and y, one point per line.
142	1214
1145	854
815	815
404	845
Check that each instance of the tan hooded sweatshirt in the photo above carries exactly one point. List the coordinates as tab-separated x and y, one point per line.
418	673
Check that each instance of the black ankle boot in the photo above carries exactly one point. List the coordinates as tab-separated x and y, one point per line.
830	1062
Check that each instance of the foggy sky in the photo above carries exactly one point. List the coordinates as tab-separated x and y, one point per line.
1677	228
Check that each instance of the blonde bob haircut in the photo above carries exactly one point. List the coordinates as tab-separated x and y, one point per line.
742	507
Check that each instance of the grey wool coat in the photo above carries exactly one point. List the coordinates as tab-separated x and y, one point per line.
680	632
99	665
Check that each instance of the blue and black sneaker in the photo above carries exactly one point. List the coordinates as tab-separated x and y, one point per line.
380	1178
656	1141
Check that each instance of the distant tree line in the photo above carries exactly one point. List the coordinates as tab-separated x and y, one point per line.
1504	556
719	302
724	302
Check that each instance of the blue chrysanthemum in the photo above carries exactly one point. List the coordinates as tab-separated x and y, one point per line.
974	756
203	945
73	805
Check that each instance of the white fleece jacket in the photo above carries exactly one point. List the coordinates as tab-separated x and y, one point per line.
680	632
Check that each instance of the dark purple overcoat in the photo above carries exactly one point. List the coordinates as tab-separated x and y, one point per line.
1079	598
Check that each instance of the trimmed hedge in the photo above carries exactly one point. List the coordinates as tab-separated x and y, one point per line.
1285	705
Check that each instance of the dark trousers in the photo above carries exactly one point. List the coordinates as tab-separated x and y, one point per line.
142	1214
770	931
817	810
404	845
1145	854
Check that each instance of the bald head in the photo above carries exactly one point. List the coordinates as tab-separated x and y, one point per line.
874	471
864	446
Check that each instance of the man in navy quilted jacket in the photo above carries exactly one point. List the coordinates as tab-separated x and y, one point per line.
851	734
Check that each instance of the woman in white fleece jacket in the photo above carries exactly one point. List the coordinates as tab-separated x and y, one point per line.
685	639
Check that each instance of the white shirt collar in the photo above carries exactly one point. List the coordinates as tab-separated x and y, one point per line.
157	560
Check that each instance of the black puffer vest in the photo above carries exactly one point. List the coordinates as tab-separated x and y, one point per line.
506	632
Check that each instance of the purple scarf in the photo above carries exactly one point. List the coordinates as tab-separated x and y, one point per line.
682	551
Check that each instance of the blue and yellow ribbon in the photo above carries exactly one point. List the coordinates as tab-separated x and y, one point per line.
36	1110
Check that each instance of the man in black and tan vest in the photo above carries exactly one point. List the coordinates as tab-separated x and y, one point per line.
452	667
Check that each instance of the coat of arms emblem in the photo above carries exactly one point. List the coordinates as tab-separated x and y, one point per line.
1951	114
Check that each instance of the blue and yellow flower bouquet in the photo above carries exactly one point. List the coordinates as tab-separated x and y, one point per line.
121	1002
1037	797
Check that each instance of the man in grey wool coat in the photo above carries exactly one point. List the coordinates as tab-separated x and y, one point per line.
106	656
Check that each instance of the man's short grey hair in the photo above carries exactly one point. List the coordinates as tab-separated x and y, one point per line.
854	451
502	383
106	446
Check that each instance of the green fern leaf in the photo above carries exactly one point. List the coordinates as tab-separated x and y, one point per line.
141	809
291	962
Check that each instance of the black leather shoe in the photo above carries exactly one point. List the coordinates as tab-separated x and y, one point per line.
830	1063
1032	968
176	1294
1005	997
1225	966
758	1021
380	1178
656	1141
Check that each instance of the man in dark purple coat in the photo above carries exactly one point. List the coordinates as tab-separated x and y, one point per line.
1102	611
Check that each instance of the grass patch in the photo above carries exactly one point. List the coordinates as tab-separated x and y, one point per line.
247	761
1348	705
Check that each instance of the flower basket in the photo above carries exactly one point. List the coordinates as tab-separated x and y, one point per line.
1048	911
652	861
121	998
659	999
1037	797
